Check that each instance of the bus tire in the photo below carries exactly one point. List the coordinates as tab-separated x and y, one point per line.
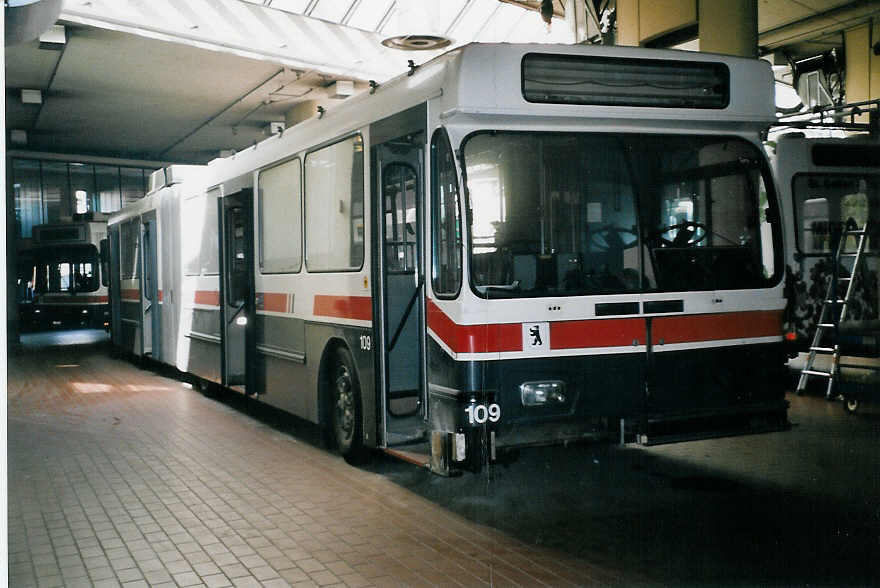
346	410
207	388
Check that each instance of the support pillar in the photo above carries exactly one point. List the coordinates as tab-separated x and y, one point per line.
729	27
723	26
655	23
862	65
628	23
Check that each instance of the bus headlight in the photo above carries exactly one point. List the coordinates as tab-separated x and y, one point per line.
551	392
241	321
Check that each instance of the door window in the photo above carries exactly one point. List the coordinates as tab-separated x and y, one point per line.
399	191
236	256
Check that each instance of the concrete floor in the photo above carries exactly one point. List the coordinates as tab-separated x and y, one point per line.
121	476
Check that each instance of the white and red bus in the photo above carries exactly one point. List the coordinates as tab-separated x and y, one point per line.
509	245
61	283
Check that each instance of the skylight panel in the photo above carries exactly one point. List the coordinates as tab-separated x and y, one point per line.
331	10
295	6
368	14
473	20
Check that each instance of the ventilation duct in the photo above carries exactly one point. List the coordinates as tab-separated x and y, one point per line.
413	27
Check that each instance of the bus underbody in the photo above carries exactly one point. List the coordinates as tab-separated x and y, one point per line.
647	398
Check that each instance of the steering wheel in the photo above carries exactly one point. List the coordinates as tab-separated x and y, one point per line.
608	237
686	235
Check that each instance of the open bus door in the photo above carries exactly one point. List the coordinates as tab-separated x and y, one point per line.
236	288
401	330
113	287
151	311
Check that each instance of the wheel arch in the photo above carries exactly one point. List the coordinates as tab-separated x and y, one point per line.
332	345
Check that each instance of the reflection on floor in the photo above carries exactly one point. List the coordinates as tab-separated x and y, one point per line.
68	337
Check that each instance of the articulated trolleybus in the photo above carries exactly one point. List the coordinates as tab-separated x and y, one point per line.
509	245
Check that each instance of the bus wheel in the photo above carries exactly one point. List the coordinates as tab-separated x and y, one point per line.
345	411
207	388
850	404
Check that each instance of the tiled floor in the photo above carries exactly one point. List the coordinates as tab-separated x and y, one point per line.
118	476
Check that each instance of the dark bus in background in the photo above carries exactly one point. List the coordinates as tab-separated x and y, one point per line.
60	282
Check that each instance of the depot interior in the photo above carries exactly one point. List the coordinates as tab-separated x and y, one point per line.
102	93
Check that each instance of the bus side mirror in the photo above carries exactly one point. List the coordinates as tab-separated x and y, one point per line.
105	262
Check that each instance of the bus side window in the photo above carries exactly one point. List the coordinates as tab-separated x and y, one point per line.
334	206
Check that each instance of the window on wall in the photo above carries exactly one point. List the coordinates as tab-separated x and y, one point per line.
56	195
82	185
445	220
27	192
107	181
82	202
334	180
280	208
51	191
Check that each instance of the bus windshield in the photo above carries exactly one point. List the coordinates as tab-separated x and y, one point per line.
567	214
827	203
69	268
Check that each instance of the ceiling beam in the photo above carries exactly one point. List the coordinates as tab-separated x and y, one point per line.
819	25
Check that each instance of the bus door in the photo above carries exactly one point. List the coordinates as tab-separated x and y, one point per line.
236	288
403	400
150	309
114	287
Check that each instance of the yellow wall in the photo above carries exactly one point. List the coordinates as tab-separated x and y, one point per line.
628	22
729	27
725	26
659	17
858	63
639	20
875	63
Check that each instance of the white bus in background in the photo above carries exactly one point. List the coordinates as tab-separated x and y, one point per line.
60	279
826	183
509	245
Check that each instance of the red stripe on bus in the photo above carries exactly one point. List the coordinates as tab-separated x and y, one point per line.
207	297
474	338
272	301
618	332
130	294
347	307
714	327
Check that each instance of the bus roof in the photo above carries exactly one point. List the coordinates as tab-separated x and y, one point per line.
486	80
